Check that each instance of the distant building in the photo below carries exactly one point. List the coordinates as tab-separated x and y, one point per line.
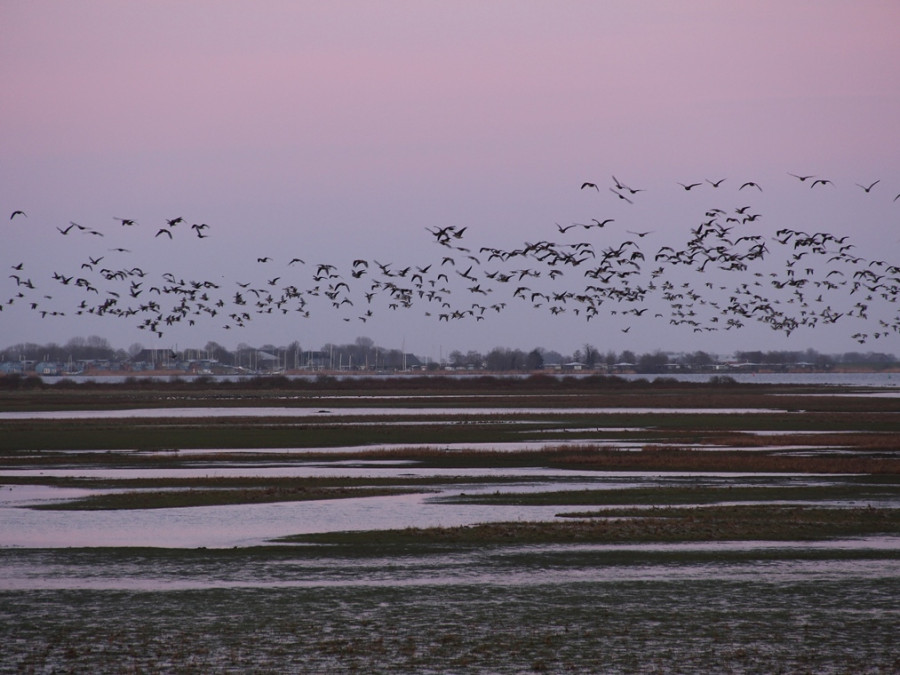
47	368
154	359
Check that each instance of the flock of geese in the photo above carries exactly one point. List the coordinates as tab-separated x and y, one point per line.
725	271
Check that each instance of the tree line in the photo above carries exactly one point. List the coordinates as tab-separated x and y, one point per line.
364	354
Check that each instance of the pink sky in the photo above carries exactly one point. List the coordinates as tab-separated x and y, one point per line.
332	130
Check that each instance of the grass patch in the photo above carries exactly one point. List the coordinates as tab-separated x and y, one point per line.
715	523
688	494
170	499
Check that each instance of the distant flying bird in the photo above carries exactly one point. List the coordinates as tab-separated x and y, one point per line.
126	221
600	223
690	186
174	221
750	183
800	178
868	189
264	259
715	183
821	181
18	212
587	185
621	196
163	230
622	186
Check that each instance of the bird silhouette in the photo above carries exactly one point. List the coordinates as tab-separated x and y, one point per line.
622	186
869	188
18	212
621	196
599	223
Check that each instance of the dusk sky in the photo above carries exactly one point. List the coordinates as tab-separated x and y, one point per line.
340	131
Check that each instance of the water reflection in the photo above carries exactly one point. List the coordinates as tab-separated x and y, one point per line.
242	525
254	524
270	411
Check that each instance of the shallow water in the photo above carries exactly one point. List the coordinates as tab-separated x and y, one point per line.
254	524
270	411
242	525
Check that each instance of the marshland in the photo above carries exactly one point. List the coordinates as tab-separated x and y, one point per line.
441	524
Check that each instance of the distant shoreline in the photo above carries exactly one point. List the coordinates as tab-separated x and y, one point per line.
459	373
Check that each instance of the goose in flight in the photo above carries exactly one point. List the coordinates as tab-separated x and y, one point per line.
621	196
821	181
869	189
622	186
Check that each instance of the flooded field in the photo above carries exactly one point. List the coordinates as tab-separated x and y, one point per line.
743	529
